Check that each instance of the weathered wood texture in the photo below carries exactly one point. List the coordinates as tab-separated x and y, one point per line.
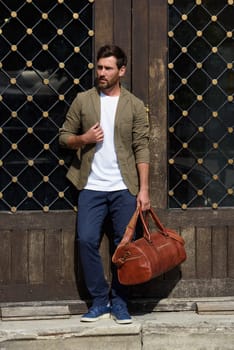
38	253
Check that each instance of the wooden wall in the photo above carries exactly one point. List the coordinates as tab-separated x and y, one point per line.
38	255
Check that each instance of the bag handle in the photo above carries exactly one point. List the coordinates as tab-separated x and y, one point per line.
130	229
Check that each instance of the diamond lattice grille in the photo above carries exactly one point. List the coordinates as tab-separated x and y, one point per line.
45	59
201	109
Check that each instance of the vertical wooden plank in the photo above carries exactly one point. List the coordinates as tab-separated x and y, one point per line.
219	252
5	256
52	256
36	256
103	23
122	34
140	49
68	255
188	268
157	75
19	256
203	252
230	252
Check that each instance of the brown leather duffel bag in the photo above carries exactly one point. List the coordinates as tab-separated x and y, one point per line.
149	256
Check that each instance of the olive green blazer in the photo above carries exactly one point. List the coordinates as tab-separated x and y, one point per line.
131	136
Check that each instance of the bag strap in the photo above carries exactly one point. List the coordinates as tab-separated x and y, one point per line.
131	227
161	229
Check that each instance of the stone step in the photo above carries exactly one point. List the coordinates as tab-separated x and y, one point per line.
152	330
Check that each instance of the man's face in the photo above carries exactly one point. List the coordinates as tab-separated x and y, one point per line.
108	74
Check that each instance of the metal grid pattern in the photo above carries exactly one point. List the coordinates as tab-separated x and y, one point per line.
200	103
45	59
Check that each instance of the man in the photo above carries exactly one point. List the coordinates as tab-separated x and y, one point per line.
108	127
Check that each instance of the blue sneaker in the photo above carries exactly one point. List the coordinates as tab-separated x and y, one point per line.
119	313
96	313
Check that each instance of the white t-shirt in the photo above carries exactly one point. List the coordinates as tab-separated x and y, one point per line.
105	173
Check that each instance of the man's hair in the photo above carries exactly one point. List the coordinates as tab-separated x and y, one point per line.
113	50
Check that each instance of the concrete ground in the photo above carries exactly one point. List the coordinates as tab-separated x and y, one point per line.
156	330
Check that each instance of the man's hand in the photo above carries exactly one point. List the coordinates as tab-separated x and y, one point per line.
93	135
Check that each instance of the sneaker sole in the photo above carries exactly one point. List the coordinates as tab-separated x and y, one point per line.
128	321
93	319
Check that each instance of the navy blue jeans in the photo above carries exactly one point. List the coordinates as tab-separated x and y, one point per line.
93	207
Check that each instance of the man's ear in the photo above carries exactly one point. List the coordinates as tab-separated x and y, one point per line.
122	71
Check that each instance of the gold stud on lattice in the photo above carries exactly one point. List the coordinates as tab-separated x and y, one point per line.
62	65
30	194
76	81
170	2
201	129
1	195
14	179
46	146
199	33
184	176
229	34
214	49
61	194
13	47
230	98
14	146
13	81
75	15
14	114
44	16
199	97
215	114
13	209
46	208
230	191
45	114
170	65
215	177
198	2
1	162
170	34
230	161
59	31
214	18
61	162
29	64
171	193
185	145
46	81
61	97
13	14
230	130
29	98
91	32
215	205
200	161
215	145
1	97
75	207
185	113
184	49
214	81
171	161
45	178
1	65
90	65
30	130
171	97
184	81
29	31
230	2
184	206
45	47
1	130
184	17
229	65
60	1
171	129
199	192
199	65
76	49
30	162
